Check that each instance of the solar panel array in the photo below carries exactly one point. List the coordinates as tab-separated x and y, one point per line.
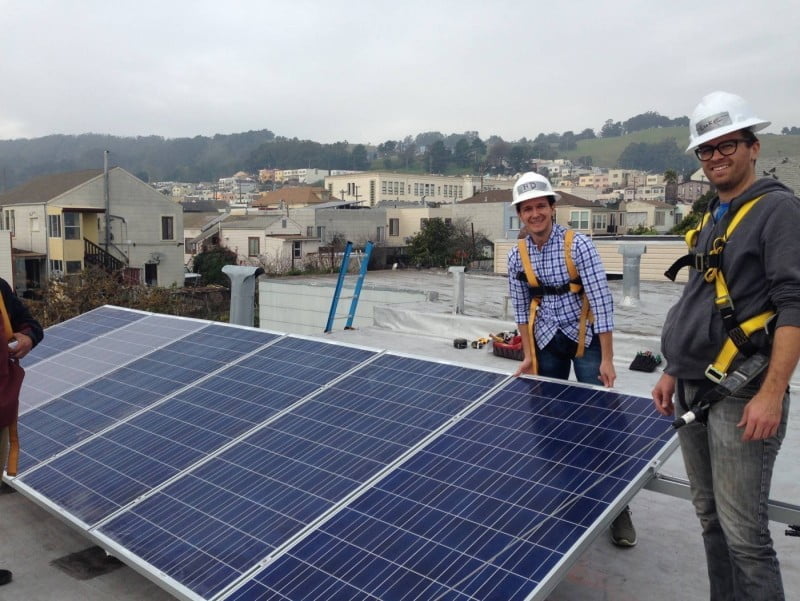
226	462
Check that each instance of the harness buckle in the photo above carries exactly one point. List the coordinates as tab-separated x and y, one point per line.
700	261
714	374
724	302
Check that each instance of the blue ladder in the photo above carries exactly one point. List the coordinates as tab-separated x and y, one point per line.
340	282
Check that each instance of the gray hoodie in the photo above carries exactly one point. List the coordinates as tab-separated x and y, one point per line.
761	264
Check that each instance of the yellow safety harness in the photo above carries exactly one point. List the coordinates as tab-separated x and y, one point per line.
710	264
573	286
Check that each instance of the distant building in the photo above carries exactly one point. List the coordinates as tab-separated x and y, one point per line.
62	223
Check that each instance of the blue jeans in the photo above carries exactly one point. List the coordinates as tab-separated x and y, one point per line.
557	357
730	481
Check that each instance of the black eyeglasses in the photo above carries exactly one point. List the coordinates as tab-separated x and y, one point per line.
726	149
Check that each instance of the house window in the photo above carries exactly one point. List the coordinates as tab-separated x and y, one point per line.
35	223
394	226
190	246
56	268
297	250
74	266
54	225
284	223
579	219
72	228
8	219
660	220
599	221
513	223
321	232
253	249
309	231
167	228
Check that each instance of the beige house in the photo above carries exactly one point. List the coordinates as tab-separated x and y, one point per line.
62	223
270	241
649	214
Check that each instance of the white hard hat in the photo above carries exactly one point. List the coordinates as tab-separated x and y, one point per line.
721	113
531	185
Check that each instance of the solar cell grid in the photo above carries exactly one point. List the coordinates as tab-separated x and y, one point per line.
67	334
152	447
97	356
284	476
487	510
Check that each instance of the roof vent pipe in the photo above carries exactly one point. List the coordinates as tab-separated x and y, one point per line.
458	292
243	289
631	263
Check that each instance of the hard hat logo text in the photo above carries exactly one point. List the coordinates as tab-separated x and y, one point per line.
713	122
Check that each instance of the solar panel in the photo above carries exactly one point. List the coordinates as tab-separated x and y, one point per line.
269	487
488	510
114	467
231	463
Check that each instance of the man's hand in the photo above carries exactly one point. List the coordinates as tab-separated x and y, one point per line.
526	367
607	373
761	416
662	394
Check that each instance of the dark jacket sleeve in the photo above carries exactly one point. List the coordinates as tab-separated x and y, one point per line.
21	318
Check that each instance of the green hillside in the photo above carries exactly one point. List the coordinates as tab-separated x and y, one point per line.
606	151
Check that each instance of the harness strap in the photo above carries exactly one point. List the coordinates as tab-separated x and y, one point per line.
530	274
538	290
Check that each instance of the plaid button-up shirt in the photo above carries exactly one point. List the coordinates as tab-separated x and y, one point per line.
562	311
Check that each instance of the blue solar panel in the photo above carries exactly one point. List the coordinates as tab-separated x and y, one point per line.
233	463
257	494
97	356
487	510
154	446
85	411
67	334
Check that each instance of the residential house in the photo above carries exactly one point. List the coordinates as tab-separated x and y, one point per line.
490	213
406	219
62	223
691	190
583	215
340	221
275	241
649	214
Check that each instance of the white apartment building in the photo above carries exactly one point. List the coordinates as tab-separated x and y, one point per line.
372	187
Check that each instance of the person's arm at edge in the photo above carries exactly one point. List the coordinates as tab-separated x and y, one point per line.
526	367
607	372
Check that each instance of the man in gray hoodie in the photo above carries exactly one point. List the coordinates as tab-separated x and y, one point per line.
742	300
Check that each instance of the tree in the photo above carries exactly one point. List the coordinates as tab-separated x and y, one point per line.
461	153
209	264
611	129
359	158
518	158
432	246
691	220
670	176
437	157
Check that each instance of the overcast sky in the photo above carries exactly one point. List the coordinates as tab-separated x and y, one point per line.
371	71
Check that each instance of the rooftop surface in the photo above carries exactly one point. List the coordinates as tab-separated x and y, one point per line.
668	562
